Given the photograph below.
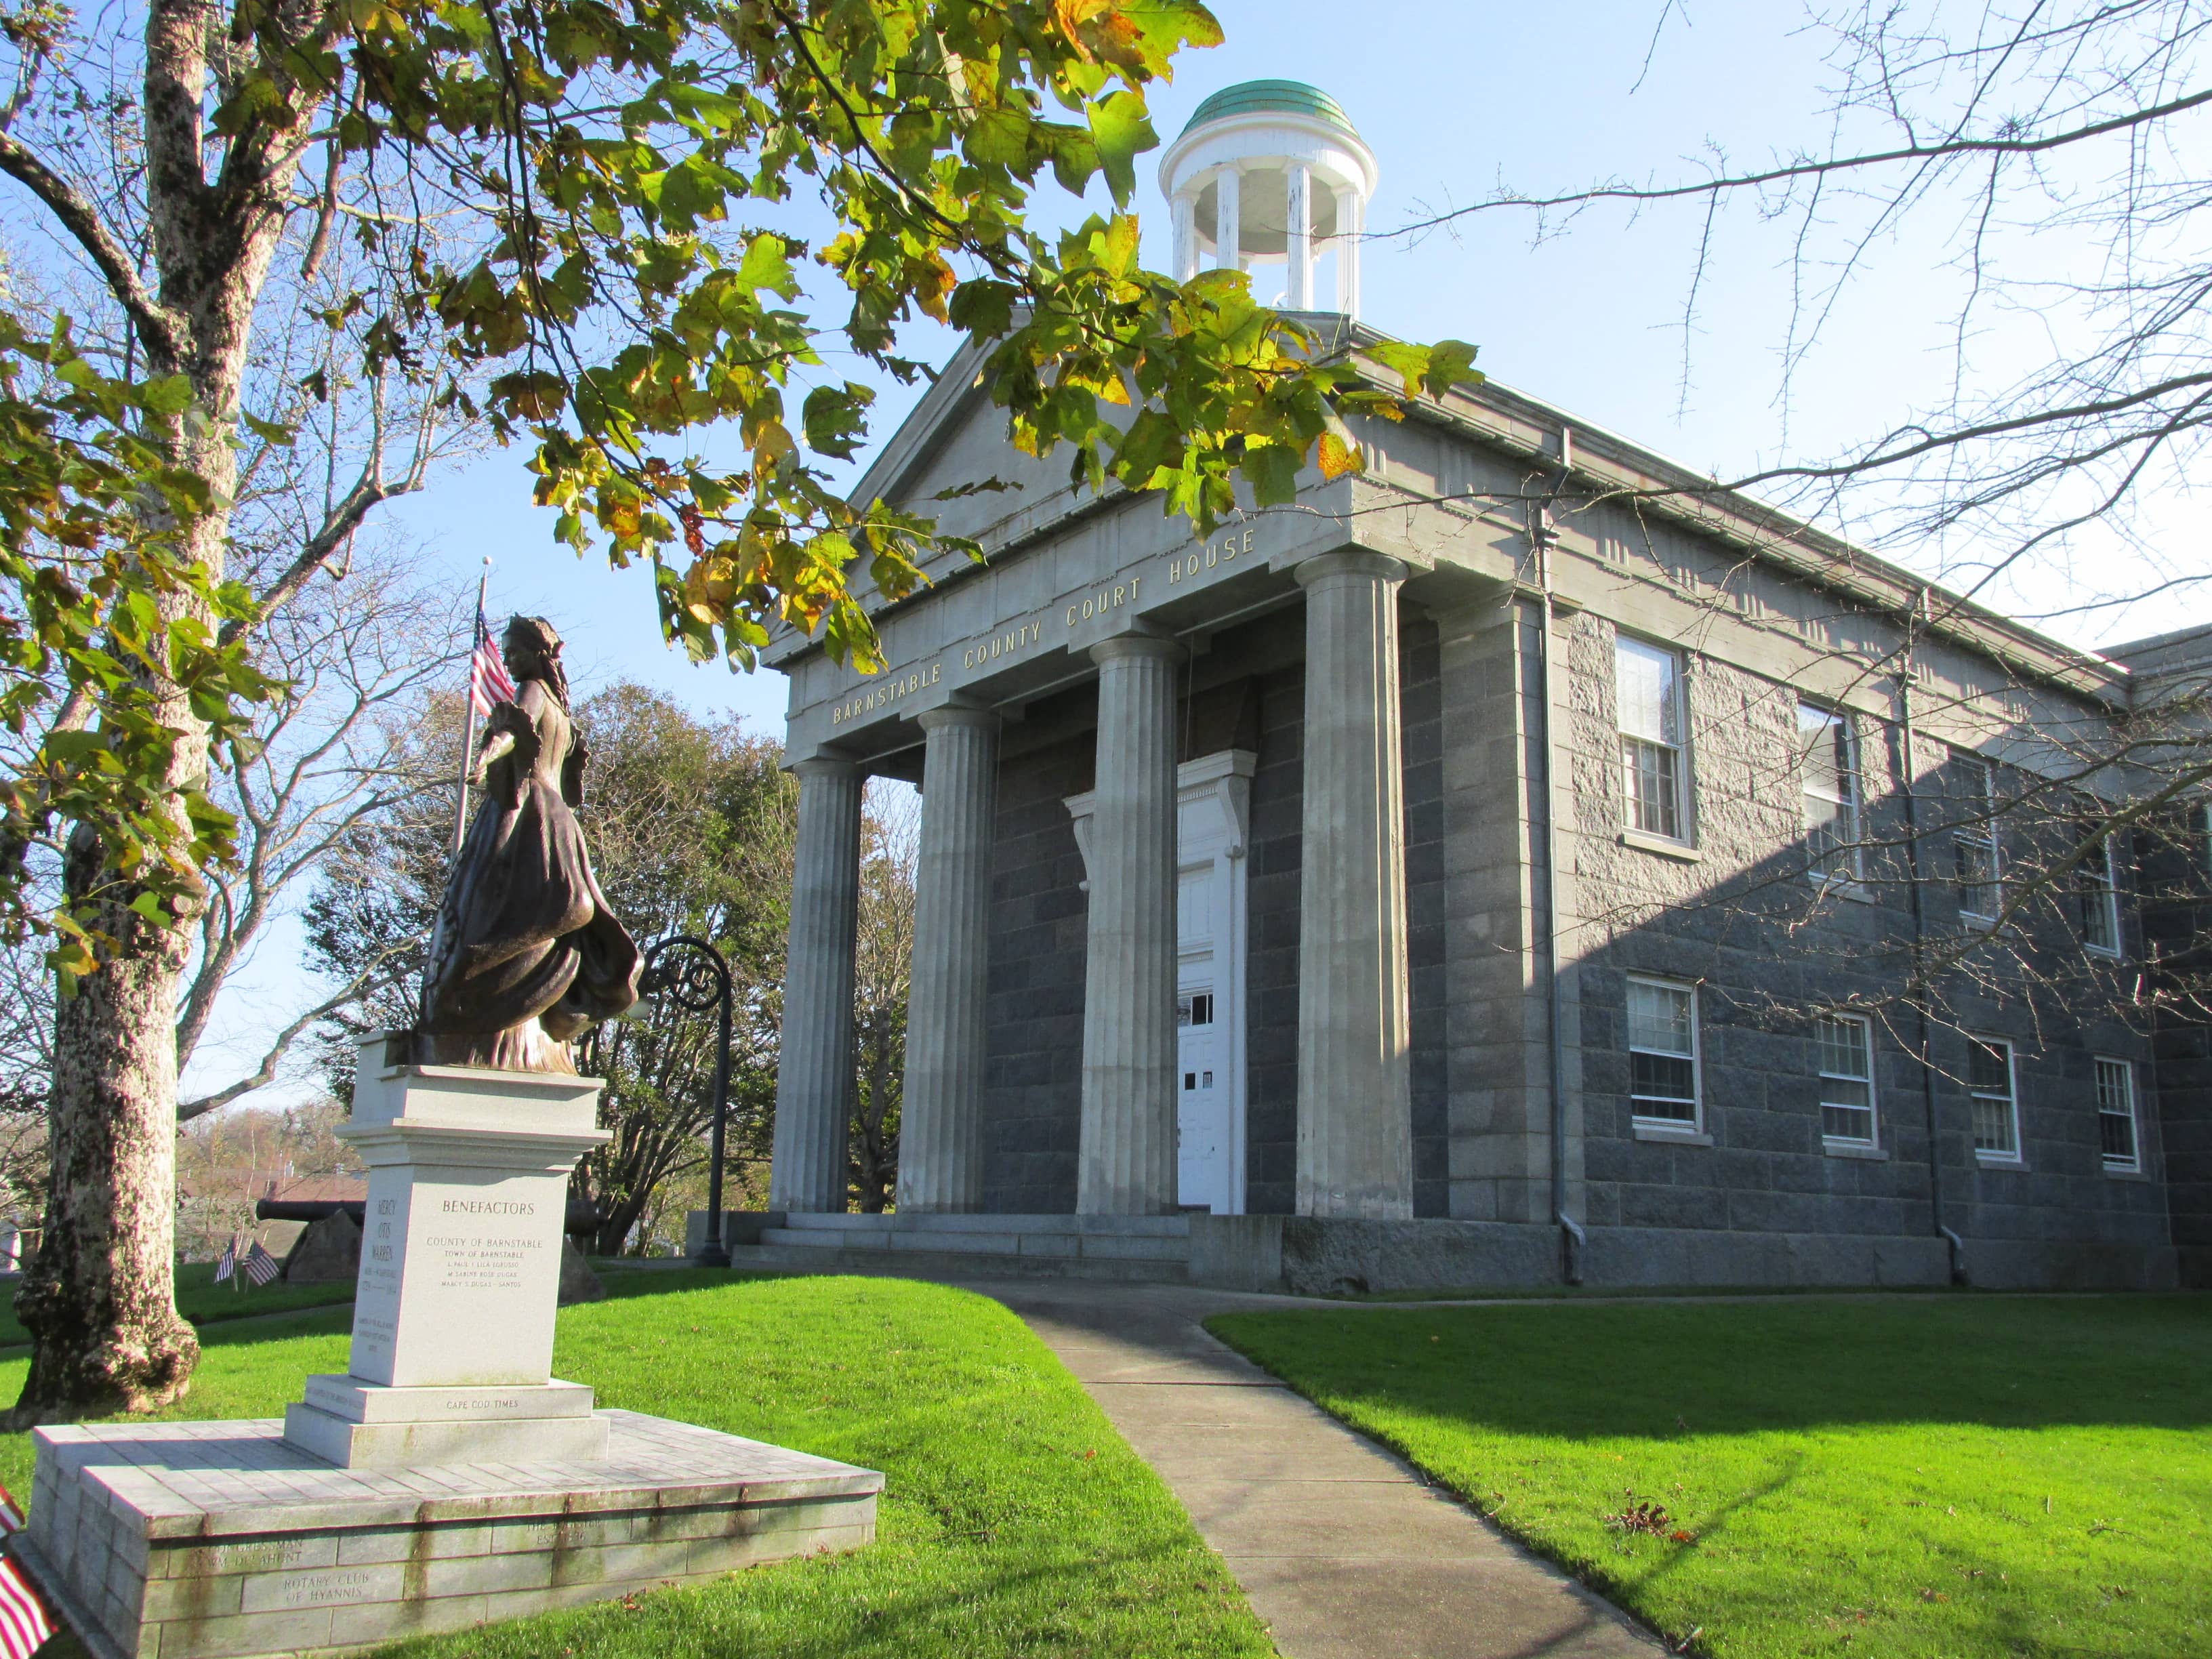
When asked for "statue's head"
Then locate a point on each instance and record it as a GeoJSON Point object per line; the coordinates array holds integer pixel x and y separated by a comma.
{"type": "Point", "coordinates": [528, 642]}
{"type": "Point", "coordinates": [533, 650]}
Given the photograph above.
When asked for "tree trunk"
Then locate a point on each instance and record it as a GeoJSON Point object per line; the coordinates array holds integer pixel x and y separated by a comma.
{"type": "Point", "coordinates": [99, 1298]}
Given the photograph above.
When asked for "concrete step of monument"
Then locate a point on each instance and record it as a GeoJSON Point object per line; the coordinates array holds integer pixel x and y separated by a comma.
{"type": "Point", "coordinates": [1052, 1245]}
{"type": "Point", "coordinates": [956, 1264]}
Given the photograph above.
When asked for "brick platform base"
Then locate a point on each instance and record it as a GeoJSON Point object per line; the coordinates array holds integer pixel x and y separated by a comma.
{"type": "Point", "coordinates": [180, 1540]}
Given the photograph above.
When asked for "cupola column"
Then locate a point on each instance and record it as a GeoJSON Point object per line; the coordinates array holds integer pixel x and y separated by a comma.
{"type": "Point", "coordinates": [1228, 221]}
{"type": "Point", "coordinates": [1299, 208]}
{"type": "Point", "coordinates": [1186, 235]}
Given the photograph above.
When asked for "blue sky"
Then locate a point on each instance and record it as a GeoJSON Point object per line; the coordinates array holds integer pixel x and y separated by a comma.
{"type": "Point", "coordinates": [1455, 99]}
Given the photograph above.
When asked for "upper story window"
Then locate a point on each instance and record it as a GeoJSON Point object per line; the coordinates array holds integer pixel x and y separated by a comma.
{"type": "Point", "coordinates": [2116, 1116]}
{"type": "Point", "coordinates": [1648, 693]}
{"type": "Point", "coordinates": [2100, 899]}
{"type": "Point", "coordinates": [1846, 1045]}
{"type": "Point", "coordinates": [1662, 1050]}
{"type": "Point", "coordinates": [1976, 853]}
{"type": "Point", "coordinates": [1829, 772]}
{"type": "Point", "coordinates": [1996, 1110]}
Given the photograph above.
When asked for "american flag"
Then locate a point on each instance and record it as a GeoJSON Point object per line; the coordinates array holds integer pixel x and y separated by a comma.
{"type": "Point", "coordinates": [228, 1265]}
{"type": "Point", "coordinates": [260, 1265]}
{"type": "Point", "coordinates": [25, 1622]}
{"type": "Point", "coordinates": [487, 677]}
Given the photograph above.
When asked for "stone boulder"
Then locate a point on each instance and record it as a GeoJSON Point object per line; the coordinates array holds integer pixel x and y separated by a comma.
{"type": "Point", "coordinates": [327, 1252]}
{"type": "Point", "coordinates": [578, 1282]}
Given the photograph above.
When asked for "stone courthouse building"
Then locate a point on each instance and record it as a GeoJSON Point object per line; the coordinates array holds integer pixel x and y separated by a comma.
{"type": "Point", "coordinates": [1487, 868]}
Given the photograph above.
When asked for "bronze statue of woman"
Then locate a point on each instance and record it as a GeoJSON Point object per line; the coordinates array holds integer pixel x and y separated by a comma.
{"type": "Point", "coordinates": [526, 955]}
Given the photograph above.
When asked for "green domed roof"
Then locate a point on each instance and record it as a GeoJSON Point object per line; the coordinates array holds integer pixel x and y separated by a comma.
{"type": "Point", "coordinates": [1255, 97]}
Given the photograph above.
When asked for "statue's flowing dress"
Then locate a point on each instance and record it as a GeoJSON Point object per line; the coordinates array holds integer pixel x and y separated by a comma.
{"type": "Point", "coordinates": [526, 955]}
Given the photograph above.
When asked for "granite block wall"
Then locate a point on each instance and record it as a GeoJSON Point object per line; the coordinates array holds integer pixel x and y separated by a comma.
{"type": "Point", "coordinates": [1737, 915]}
{"type": "Point", "coordinates": [1034, 1071]}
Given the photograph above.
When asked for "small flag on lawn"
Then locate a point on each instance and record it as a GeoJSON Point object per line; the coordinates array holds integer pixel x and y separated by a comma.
{"type": "Point", "coordinates": [260, 1265]}
{"type": "Point", "coordinates": [228, 1264]}
{"type": "Point", "coordinates": [25, 1623]}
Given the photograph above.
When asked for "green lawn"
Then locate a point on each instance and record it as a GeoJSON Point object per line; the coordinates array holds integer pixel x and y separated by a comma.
{"type": "Point", "coordinates": [1948, 1476]}
{"type": "Point", "coordinates": [1015, 1523]}
{"type": "Point", "coordinates": [204, 1302]}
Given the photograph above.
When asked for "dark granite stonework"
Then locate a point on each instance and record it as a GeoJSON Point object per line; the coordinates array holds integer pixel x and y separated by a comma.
{"type": "Point", "coordinates": [1759, 962]}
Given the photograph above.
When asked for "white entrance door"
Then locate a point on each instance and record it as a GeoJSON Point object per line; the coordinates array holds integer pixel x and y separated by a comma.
{"type": "Point", "coordinates": [1210, 982]}
{"type": "Point", "coordinates": [1202, 1104]}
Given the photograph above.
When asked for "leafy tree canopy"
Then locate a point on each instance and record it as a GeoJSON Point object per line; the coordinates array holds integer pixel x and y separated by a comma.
{"type": "Point", "coordinates": [625, 290]}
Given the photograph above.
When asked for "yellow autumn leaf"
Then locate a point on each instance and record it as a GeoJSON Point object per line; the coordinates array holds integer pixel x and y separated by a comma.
{"type": "Point", "coordinates": [1338, 457]}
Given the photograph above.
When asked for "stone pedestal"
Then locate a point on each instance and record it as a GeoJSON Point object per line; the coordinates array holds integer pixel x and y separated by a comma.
{"type": "Point", "coordinates": [460, 1272]}
{"type": "Point", "coordinates": [449, 1478]}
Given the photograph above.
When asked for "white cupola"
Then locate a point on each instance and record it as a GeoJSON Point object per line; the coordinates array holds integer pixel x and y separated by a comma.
{"type": "Point", "coordinates": [1279, 164]}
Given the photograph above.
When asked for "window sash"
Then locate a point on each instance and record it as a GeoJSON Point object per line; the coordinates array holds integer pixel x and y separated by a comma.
{"type": "Point", "coordinates": [1828, 775]}
{"type": "Point", "coordinates": [1844, 1047]}
{"type": "Point", "coordinates": [1989, 1085]}
{"type": "Point", "coordinates": [1978, 857]}
{"type": "Point", "coordinates": [1648, 691]}
{"type": "Point", "coordinates": [2116, 1114]}
{"type": "Point", "coordinates": [2101, 900]}
{"type": "Point", "coordinates": [1655, 787]}
{"type": "Point", "coordinates": [1662, 1051]}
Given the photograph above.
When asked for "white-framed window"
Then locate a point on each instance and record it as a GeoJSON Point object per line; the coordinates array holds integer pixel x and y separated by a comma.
{"type": "Point", "coordinates": [1648, 700]}
{"type": "Point", "coordinates": [1662, 1050]}
{"type": "Point", "coordinates": [2100, 899]}
{"type": "Point", "coordinates": [1975, 849]}
{"type": "Point", "coordinates": [2116, 1116]}
{"type": "Point", "coordinates": [1996, 1105]}
{"type": "Point", "coordinates": [1828, 771]}
{"type": "Point", "coordinates": [1845, 1043]}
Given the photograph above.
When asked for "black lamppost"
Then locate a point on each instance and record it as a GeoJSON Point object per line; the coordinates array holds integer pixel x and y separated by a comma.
{"type": "Point", "coordinates": [697, 981]}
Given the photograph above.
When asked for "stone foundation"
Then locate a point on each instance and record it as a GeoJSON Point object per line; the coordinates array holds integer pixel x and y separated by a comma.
{"type": "Point", "coordinates": [195, 1540]}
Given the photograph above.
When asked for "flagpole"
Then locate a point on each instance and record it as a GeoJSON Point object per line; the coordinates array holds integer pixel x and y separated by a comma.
{"type": "Point", "coordinates": [469, 736]}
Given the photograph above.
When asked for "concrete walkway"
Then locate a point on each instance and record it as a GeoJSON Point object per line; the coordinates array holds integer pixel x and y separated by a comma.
{"type": "Point", "coordinates": [1341, 1547]}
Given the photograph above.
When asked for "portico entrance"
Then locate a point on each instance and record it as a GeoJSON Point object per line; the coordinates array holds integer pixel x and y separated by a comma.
{"type": "Point", "coordinates": [1213, 795]}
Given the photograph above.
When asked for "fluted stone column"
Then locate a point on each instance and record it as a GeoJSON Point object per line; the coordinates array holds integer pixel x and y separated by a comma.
{"type": "Point", "coordinates": [1355, 1110]}
{"type": "Point", "coordinates": [1126, 1163]}
{"type": "Point", "coordinates": [814, 1069]}
{"type": "Point", "coordinates": [941, 1115]}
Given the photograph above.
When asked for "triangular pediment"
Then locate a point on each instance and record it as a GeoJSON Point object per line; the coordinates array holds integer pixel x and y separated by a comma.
{"type": "Point", "coordinates": [950, 460]}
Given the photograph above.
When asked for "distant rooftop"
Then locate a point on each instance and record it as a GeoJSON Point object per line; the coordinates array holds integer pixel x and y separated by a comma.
{"type": "Point", "coordinates": [1258, 97]}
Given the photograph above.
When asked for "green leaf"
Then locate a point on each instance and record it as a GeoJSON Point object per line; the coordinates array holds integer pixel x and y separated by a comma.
{"type": "Point", "coordinates": [170, 395]}
{"type": "Point", "coordinates": [999, 138]}
{"type": "Point", "coordinates": [984, 308]}
{"type": "Point", "coordinates": [835, 418]}
{"type": "Point", "coordinates": [766, 265]}
{"type": "Point", "coordinates": [1272, 470]}
{"type": "Point", "coordinates": [1122, 129]}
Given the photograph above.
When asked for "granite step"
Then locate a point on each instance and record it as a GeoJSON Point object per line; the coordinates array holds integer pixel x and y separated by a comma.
{"type": "Point", "coordinates": [782, 1258]}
